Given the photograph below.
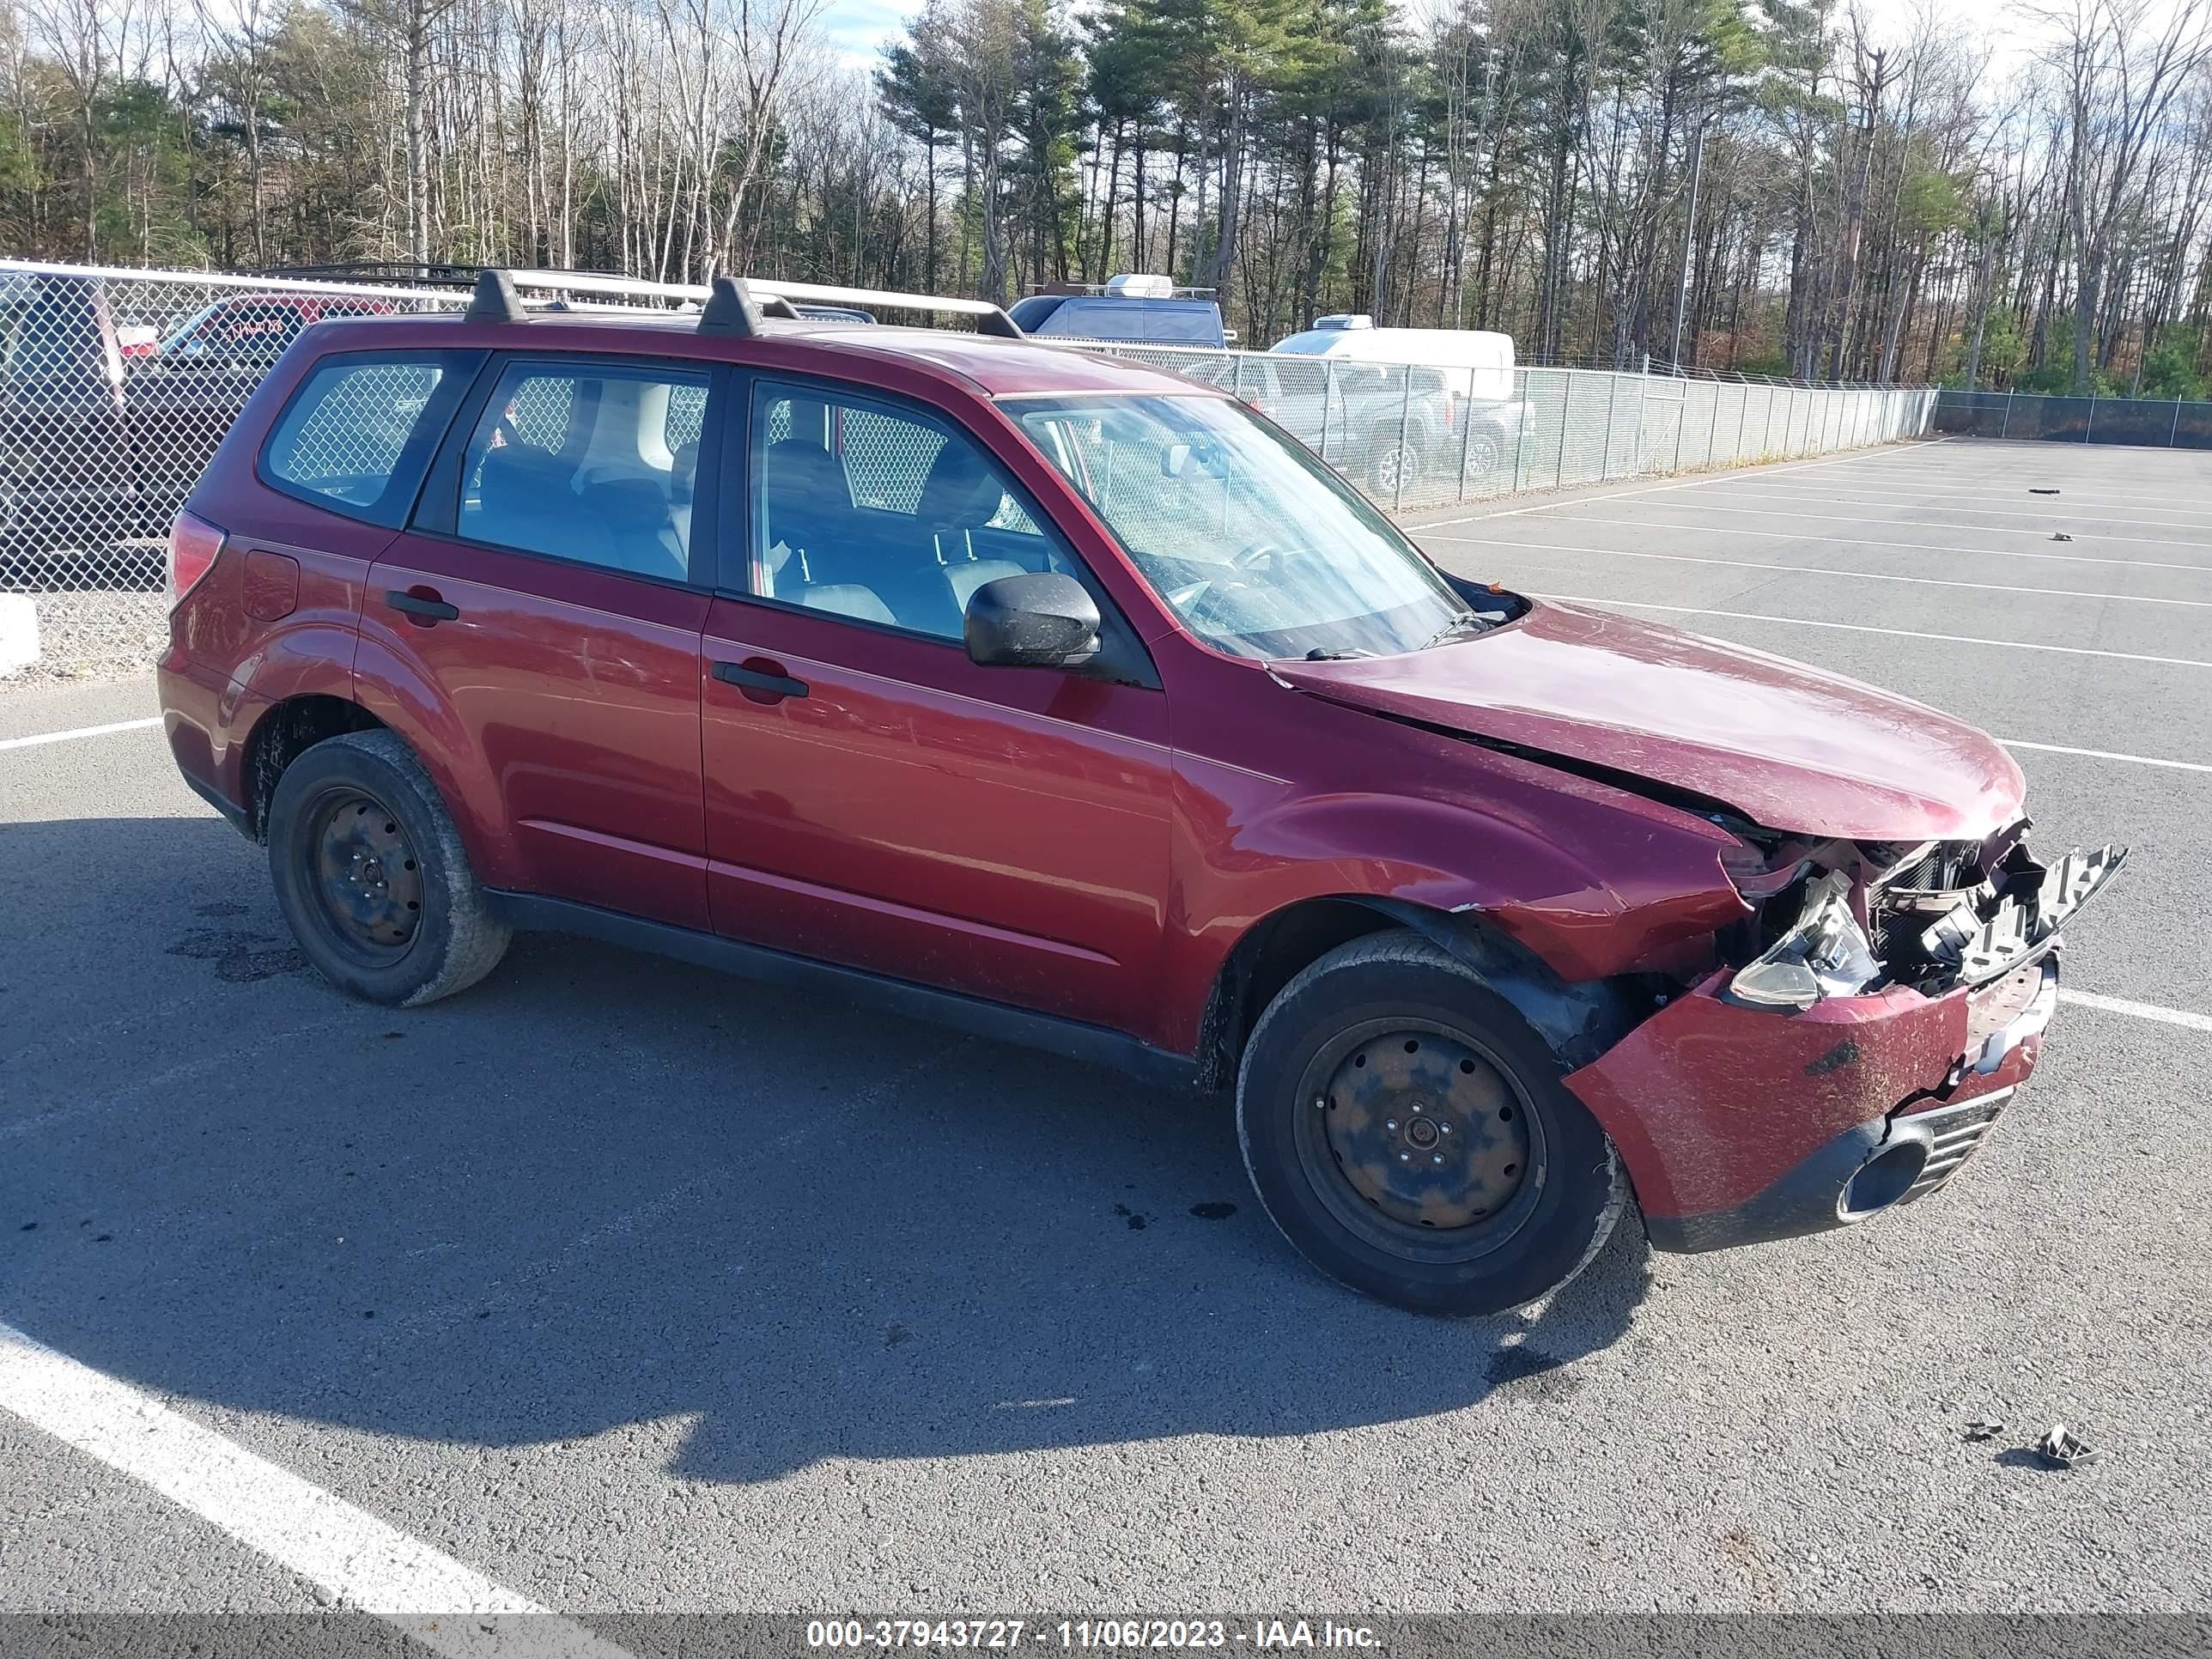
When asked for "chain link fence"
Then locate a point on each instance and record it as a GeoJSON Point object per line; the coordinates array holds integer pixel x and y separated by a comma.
{"type": "Point", "coordinates": [1415, 438]}
{"type": "Point", "coordinates": [116, 385]}
{"type": "Point", "coordinates": [2156, 422]}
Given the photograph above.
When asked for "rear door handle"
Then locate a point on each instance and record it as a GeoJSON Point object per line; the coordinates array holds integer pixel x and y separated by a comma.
{"type": "Point", "coordinates": [430, 611]}
{"type": "Point", "coordinates": [766, 683]}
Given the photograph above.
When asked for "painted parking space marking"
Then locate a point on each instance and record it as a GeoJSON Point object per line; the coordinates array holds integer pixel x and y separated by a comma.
{"type": "Point", "coordinates": [364, 1563]}
{"type": "Point", "coordinates": [2160, 761]}
{"type": "Point", "coordinates": [1910, 496]}
{"type": "Point", "coordinates": [2149, 1011]}
{"type": "Point", "coordinates": [1895, 523]}
{"type": "Point", "coordinates": [1869, 628]}
{"type": "Point", "coordinates": [1858, 541]}
{"type": "Point", "coordinates": [2044, 514]}
{"type": "Point", "coordinates": [1830, 570]}
{"type": "Point", "coordinates": [37, 739]}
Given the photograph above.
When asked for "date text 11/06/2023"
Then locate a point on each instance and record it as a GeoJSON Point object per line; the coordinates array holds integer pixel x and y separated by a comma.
{"type": "Point", "coordinates": [1118, 1634]}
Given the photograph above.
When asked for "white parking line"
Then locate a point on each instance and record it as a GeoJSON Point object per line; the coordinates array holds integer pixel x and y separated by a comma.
{"type": "Point", "coordinates": [1856, 541]}
{"type": "Point", "coordinates": [1852, 518]}
{"type": "Point", "coordinates": [361, 1561]}
{"type": "Point", "coordinates": [37, 737]}
{"type": "Point", "coordinates": [1830, 570]}
{"type": "Point", "coordinates": [2050, 513]}
{"type": "Point", "coordinates": [2065, 502]}
{"type": "Point", "coordinates": [1869, 628]}
{"type": "Point", "coordinates": [2149, 1011]}
{"type": "Point", "coordinates": [2107, 754]}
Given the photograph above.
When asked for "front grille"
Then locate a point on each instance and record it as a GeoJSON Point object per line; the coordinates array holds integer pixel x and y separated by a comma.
{"type": "Point", "coordinates": [1954, 1131]}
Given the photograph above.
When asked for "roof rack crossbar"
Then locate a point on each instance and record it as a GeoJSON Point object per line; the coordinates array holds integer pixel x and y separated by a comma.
{"type": "Point", "coordinates": [990, 319]}
{"type": "Point", "coordinates": [763, 290]}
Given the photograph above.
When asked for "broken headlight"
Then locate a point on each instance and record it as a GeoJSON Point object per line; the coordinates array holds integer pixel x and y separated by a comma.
{"type": "Point", "coordinates": [1824, 954]}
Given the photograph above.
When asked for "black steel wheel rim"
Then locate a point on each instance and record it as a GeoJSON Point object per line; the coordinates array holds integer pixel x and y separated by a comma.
{"type": "Point", "coordinates": [1419, 1139]}
{"type": "Point", "coordinates": [361, 870]}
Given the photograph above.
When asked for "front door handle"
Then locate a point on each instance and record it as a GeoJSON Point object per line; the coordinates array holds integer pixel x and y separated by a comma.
{"type": "Point", "coordinates": [430, 610]}
{"type": "Point", "coordinates": [761, 680]}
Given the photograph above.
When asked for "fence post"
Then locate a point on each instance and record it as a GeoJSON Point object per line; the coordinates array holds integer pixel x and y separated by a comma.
{"type": "Point", "coordinates": [1467, 435]}
{"type": "Point", "coordinates": [1521, 434]}
{"type": "Point", "coordinates": [1681, 421]}
{"type": "Point", "coordinates": [1328, 399]}
{"type": "Point", "coordinates": [1237, 379]}
{"type": "Point", "coordinates": [2173, 432]}
{"type": "Point", "coordinates": [1567, 408]}
{"type": "Point", "coordinates": [1405, 417]}
{"type": "Point", "coordinates": [2090, 425]}
{"type": "Point", "coordinates": [1742, 418]}
{"type": "Point", "coordinates": [2005, 427]}
{"type": "Point", "coordinates": [1612, 397]}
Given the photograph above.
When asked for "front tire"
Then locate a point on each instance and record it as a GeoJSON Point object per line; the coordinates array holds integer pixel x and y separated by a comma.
{"type": "Point", "coordinates": [1408, 1132]}
{"type": "Point", "coordinates": [372, 877]}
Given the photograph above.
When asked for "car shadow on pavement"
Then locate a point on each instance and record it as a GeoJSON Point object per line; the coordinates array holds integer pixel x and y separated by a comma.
{"type": "Point", "coordinates": [602, 1190]}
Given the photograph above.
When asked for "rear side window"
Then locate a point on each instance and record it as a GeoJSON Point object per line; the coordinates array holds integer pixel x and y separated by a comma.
{"type": "Point", "coordinates": [355, 437]}
{"type": "Point", "coordinates": [590, 461]}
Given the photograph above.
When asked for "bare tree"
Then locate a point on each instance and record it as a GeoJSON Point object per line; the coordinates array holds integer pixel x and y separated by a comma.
{"type": "Point", "coordinates": [2120, 75]}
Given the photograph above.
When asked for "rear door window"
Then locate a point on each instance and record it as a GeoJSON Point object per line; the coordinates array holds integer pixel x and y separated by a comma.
{"type": "Point", "coordinates": [588, 461]}
{"type": "Point", "coordinates": [356, 436]}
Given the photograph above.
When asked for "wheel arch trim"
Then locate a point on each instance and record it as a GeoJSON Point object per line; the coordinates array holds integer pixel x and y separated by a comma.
{"type": "Point", "coordinates": [1578, 1020]}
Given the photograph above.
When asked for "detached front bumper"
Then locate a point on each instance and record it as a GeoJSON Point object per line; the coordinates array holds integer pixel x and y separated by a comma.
{"type": "Point", "coordinates": [1740, 1125]}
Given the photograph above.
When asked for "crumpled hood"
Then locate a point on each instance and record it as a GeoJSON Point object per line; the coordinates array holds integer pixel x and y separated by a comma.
{"type": "Point", "coordinates": [1788, 746]}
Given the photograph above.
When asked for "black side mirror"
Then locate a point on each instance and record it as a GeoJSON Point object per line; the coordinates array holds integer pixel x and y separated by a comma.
{"type": "Point", "coordinates": [1045, 621]}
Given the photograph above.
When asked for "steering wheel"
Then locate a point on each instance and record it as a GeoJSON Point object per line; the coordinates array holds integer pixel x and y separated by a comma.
{"type": "Point", "coordinates": [1253, 554]}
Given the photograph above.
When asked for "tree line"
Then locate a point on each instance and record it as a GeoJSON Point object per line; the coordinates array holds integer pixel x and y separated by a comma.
{"type": "Point", "coordinates": [1775, 188]}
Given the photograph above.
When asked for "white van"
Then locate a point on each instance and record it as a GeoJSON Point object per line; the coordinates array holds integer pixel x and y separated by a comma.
{"type": "Point", "coordinates": [1463, 416]}
{"type": "Point", "coordinates": [1351, 336]}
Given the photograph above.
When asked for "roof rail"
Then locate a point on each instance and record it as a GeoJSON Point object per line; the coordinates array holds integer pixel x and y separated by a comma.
{"type": "Point", "coordinates": [730, 310]}
{"type": "Point", "coordinates": [496, 300]}
{"type": "Point", "coordinates": [768, 293]}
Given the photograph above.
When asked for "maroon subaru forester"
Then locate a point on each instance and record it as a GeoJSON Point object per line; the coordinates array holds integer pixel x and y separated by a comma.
{"type": "Point", "coordinates": [1074, 704]}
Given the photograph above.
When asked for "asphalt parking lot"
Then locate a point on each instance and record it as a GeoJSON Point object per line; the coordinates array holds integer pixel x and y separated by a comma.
{"type": "Point", "coordinates": [629, 1288]}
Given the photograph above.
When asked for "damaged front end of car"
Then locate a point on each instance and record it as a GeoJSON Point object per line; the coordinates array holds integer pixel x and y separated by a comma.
{"type": "Point", "coordinates": [1854, 1039]}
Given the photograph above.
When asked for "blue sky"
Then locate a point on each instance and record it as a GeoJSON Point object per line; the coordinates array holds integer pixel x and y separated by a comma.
{"type": "Point", "coordinates": [856, 29]}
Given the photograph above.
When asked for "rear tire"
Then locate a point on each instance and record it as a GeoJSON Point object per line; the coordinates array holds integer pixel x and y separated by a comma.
{"type": "Point", "coordinates": [1392, 459]}
{"type": "Point", "coordinates": [372, 877]}
{"type": "Point", "coordinates": [1407, 1131]}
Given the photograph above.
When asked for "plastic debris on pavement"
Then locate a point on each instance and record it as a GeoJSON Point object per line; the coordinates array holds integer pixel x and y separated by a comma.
{"type": "Point", "coordinates": [2061, 1448]}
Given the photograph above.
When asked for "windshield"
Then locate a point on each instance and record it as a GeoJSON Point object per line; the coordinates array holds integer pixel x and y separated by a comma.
{"type": "Point", "coordinates": [1256, 547]}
